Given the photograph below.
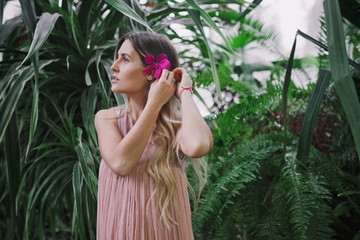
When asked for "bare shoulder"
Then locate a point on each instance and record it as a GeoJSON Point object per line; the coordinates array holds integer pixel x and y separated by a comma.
{"type": "Point", "coordinates": [105, 118]}
{"type": "Point", "coordinates": [109, 114]}
{"type": "Point", "coordinates": [106, 114]}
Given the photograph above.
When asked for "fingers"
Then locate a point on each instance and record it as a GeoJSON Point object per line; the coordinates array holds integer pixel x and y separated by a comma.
{"type": "Point", "coordinates": [171, 78]}
{"type": "Point", "coordinates": [167, 76]}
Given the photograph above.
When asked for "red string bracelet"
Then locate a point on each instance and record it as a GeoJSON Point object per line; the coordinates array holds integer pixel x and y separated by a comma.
{"type": "Point", "coordinates": [186, 88]}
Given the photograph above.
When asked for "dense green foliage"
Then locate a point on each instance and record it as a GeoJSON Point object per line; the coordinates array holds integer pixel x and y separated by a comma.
{"type": "Point", "coordinates": [267, 179]}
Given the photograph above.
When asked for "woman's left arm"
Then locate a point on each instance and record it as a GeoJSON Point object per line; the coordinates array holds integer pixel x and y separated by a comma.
{"type": "Point", "coordinates": [196, 138]}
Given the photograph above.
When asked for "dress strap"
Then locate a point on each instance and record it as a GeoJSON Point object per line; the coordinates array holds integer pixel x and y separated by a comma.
{"type": "Point", "coordinates": [118, 111]}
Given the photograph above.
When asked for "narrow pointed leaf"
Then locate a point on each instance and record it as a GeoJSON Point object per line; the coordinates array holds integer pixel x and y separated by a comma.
{"type": "Point", "coordinates": [285, 90]}
{"type": "Point", "coordinates": [29, 16]}
{"type": "Point", "coordinates": [78, 212]}
{"type": "Point", "coordinates": [323, 46]}
{"type": "Point", "coordinates": [196, 18]}
{"type": "Point", "coordinates": [343, 82]}
{"type": "Point", "coordinates": [34, 117]}
{"type": "Point", "coordinates": [251, 7]}
{"type": "Point", "coordinates": [312, 110]}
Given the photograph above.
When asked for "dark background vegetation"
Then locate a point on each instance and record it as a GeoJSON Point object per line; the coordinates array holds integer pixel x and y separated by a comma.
{"type": "Point", "coordinates": [285, 162]}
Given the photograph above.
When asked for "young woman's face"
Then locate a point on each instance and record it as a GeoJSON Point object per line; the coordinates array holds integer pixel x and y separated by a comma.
{"type": "Point", "coordinates": [128, 76]}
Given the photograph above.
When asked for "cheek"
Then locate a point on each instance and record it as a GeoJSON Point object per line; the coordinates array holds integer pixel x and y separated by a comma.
{"type": "Point", "coordinates": [133, 72]}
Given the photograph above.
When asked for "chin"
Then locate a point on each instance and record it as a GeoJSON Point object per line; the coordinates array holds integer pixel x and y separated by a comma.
{"type": "Point", "coordinates": [115, 90]}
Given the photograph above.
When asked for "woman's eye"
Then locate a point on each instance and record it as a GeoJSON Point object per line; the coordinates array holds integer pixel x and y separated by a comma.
{"type": "Point", "coordinates": [125, 60]}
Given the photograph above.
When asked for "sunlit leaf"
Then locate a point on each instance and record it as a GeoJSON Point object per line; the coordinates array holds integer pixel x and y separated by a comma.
{"type": "Point", "coordinates": [42, 32]}
{"type": "Point", "coordinates": [122, 7]}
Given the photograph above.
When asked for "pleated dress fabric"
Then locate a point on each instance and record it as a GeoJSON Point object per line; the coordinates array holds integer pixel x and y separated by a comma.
{"type": "Point", "coordinates": [122, 200]}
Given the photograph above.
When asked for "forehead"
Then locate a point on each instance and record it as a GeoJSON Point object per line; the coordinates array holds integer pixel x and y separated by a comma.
{"type": "Point", "coordinates": [127, 48]}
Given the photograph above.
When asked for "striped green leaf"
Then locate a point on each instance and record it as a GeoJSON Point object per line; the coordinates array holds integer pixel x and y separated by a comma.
{"type": "Point", "coordinates": [285, 91]}
{"type": "Point", "coordinates": [34, 113]}
{"type": "Point", "coordinates": [122, 7]}
{"type": "Point", "coordinates": [42, 32]}
{"type": "Point", "coordinates": [343, 81]}
{"type": "Point", "coordinates": [8, 105]}
{"type": "Point", "coordinates": [78, 216]}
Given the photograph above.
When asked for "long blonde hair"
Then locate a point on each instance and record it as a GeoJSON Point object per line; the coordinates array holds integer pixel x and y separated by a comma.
{"type": "Point", "coordinates": [162, 164]}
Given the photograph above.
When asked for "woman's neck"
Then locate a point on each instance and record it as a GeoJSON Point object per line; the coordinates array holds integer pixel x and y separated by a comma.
{"type": "Point", "coordinates": [136, 106]}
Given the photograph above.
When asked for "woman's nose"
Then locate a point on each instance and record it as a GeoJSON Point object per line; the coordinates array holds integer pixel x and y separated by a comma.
{"type": "Point", "coordinates": [115, 66]}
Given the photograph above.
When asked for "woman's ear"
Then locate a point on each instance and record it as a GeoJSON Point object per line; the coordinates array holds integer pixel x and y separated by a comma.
{"type": "Point", "coordinates": [149, 78]}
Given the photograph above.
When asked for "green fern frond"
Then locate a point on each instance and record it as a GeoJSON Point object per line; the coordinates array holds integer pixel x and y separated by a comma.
{"type": "Point", "coordinates": [240, 169]}
{"type": "Point", "coordinates": [302, 194]}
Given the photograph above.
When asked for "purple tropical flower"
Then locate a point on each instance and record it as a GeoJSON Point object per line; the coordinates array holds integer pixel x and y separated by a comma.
{"type": "Point", "coordinates": [161, 63]}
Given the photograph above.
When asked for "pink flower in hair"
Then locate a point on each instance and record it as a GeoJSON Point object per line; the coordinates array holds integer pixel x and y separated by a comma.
{"type": "Point", "coordinates": [161, 63]}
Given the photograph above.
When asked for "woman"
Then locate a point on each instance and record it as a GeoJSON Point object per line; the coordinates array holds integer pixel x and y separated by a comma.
{"type": "Point", "coordinates": [142, 191]}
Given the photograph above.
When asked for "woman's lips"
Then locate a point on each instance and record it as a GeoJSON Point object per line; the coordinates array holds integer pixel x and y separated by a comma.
{"type": "Point", "coordinates": [115, 80]}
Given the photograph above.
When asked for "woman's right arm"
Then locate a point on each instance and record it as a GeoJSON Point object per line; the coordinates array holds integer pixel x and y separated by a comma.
{"type": "Point", "coordinates": [122, 154]}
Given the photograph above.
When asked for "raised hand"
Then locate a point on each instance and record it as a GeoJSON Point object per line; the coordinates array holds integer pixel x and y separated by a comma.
{"type": "Point", "coordinates": [183, 79]}
{"type": "Point", "coordinates": [162, 89]}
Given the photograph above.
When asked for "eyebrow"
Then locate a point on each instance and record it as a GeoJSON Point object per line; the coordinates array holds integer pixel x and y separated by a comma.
{"type": "Point", "coordinates": [124, 54]}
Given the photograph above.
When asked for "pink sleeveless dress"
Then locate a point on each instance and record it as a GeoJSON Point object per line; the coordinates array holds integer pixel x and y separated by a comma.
{"type": "Point", "coordinates": [121, 208]}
